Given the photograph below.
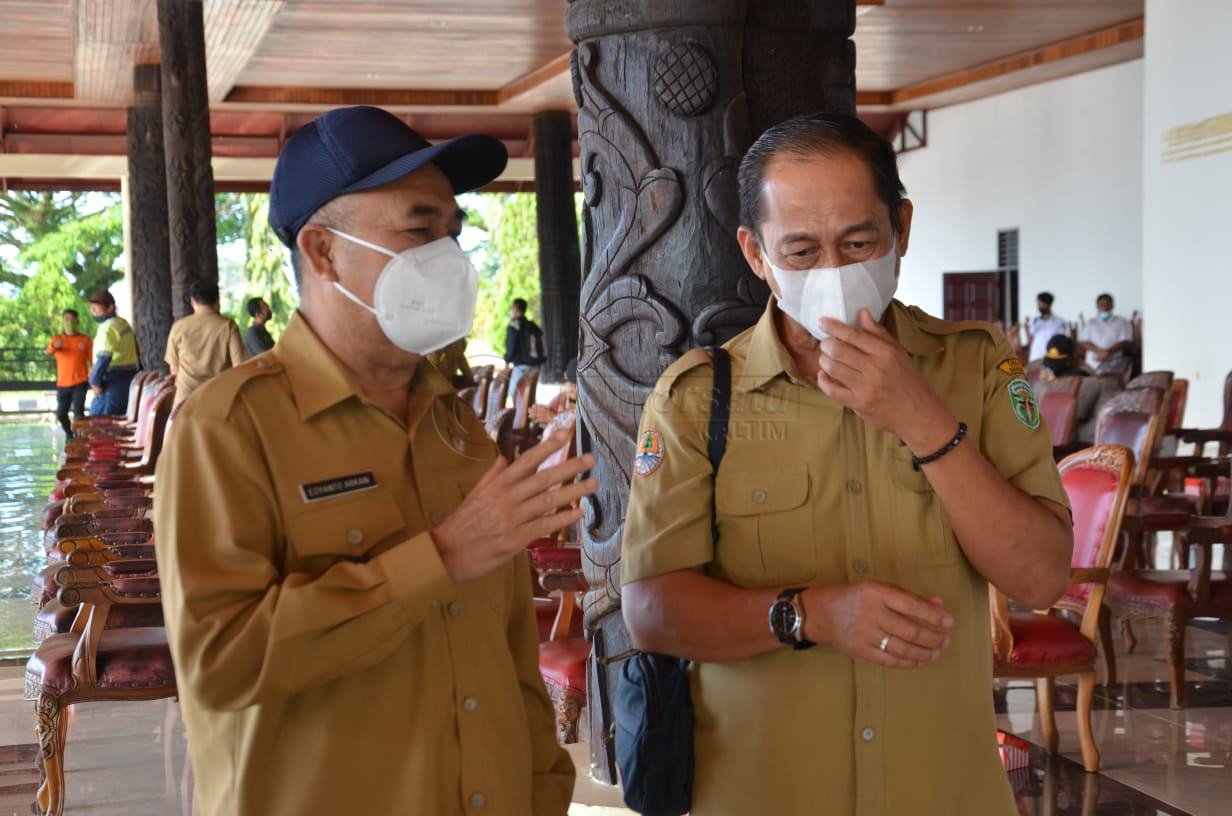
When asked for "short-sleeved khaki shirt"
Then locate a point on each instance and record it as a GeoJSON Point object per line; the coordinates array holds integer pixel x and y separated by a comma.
{"type": "Point", "coordinates": [201, 346]}
{"type": "Point", "coordinates": [809, 495]}
{"type": "Point", "coordinates": [326, 663]}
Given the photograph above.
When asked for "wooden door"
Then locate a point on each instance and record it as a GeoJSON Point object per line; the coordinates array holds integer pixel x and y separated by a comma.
{"type": "Point", "coordinates": [973, 296]}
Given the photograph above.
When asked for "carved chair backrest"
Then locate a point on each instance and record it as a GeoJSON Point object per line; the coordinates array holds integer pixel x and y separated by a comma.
{"type": "Point", "coordinates": [1153, 379]}
{"type": "Point", "coordinates": [1060, 412]}
{"type": "Point", "coordinates": [1135, 430]}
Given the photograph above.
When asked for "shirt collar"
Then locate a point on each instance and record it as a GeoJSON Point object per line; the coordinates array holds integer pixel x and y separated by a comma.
{"type": "Point", "coordinates": [903, 324]}
{"type": "Point", "coordinates": [320, 381]}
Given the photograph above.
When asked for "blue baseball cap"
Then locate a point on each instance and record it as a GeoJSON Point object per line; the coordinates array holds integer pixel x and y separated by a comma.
{"type": "Point", "coordinates": [348, 150]}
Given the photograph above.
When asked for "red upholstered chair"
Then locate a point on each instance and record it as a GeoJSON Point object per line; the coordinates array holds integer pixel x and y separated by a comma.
{"type": "Point", "coordinates": [1120, 367]}
{"type": "Point", "coordinates": [1177, 596]}
{"type": "Point", "coordinates": [1058, 404]}
{"type": "Point", "coordinates": [1201, 437]}
{"type": "Point", "coordinates": [1046, 645]}
{"type": "Point", "coordinates": [89, 663]}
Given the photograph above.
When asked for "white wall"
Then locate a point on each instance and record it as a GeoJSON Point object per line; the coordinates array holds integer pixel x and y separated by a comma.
{"type": "Point", "coordinates": [1187, 274]}
{"type": "Point", "coordinates": [1061, 161]}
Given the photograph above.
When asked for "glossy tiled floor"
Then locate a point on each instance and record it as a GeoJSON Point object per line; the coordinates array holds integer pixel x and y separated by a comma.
{"type": "Point", "coordinates": [128, 759]}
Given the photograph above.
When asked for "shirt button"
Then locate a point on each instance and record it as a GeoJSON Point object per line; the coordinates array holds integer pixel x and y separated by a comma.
{"type": "Point", "coordinates": [436, 606]}
{"type": "Point", "coordinates": [437, 518]}
{"type": "Point", "coordinates": [853, 486]}
{"type": "Point", "coordinates": [455, 609]}
{"type": "Point", "coordinates": [860, 566]}
{"type": "Point", "coordinates": [355, 536]}
{"type": "Point", "coordinates": [478, 800]}
{"type": "Point", "coordinates": [470, 704]}
{"type": "Point", "coordinates": [759, 496]}
{"type": "Point", "coordinates": [868, 734]}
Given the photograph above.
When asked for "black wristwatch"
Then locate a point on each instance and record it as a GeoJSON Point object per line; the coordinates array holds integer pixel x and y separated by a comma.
{"type": "Point", "coordinates": [787, 619]}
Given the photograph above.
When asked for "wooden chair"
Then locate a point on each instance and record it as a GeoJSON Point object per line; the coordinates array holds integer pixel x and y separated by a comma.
{"type": "Point", "coordinates": [1222, 436]}
{"type": "Point", "coordinates": [1121, 367]}
{"type": "Point", "coordinates": [89, 663]}
{"type": "Point", "coordinates": [564, 650]}
{"type": "Point", "coordinates": [1046, 645]}
{"type": "Point", "coordinates": [1177, 596]}
{"type": "Point", "coordinates": [1152, 379]}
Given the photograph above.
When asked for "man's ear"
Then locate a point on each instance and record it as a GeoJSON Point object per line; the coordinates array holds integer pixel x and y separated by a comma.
{"type": "Point", "coordinates": [750, 245]}
{"type": "Point", "coordinates": [905, 210]}
{"type": "Point", "coordinates": [315, 244]}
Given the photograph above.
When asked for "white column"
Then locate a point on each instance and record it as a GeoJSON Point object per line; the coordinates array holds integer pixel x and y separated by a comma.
{"type": "Point", "coordinates": [122, 290]}
{"type": "Point", "coordinates": [1187, 173]}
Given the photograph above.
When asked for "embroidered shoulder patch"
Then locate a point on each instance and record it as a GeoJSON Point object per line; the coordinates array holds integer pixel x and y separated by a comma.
{"type": "Point", "coordinates": [649, 453]}
{"type": "Point", "coordinates": [1012, 367]}
{"type": "Point", "coordinates": [1022, 401]}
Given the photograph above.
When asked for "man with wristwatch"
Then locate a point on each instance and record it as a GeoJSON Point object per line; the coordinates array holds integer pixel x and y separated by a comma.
{"type": "Point", "coordinates": [830, 581]}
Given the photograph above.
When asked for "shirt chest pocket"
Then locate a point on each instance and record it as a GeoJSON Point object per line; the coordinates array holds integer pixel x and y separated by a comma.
{"type": "Point", "coordinates": [766, 535]}
{"type": "Point", "coordinates": [922, 533]}
{"type": "Point", "coordinates": [343, 527]}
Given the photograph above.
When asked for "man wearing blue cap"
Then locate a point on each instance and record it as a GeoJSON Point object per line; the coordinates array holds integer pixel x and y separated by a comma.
{"type": "Point", "coordinates": [342, 554]}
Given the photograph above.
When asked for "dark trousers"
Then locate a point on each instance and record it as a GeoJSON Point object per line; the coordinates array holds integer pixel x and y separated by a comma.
{"type": "Point", "coordinates": [74, 396]}
{"type": "Point", "coordinates": [114, 399]}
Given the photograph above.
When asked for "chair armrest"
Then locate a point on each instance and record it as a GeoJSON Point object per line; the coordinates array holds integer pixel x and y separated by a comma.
{"type": "Point", "coordinates": [1200, 574]}
{"type": "Point", "coordinates": [1202, 435]}
{"type": "Point", "coordinates": [85, 655]}
{"type": "Point", "coordinates": [566, 581]}
{"type": "Point", "coordinates": [1186, 462]}
{"type": "Point", "coordinates": [1088, 575]}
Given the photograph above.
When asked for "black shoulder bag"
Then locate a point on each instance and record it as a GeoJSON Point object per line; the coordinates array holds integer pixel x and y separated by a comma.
{"type": "Point", "coordinates": [653, 709]}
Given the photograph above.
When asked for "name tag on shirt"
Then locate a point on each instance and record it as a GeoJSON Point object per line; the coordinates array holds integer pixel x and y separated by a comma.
{"type": "Point", "coordinates": [331, 488]}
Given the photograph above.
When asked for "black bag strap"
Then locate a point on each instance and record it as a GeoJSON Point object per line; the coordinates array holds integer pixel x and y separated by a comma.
{"type": "Point", "coordinates": [720, 412]}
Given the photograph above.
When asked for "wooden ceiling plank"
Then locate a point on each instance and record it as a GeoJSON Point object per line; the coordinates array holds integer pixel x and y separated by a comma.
{"type": "Point", "coordinates": [234, 30]}
{"type": "Point", "coordinates": [1120, 34]}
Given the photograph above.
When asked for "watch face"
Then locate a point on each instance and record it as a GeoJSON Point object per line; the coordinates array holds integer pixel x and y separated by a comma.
{"type": "Point", "coordinates": [783, 620]}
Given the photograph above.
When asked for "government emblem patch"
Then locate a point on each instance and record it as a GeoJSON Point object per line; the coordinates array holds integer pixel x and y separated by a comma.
{"type": "Point", "coordinates": [1022, 401]}
{"type": "Point", "coordinates": [649, 453]}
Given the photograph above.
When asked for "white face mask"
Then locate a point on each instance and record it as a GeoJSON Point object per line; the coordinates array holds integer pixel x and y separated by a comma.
{"type": "Point", "coordinates": [841, 292]}
{"type": "Point", "coordinates": [424, 297]}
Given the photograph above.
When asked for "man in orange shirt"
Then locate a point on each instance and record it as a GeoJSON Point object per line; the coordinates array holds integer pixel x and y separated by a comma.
{"type": "Point", "coordinates": [73, 352]}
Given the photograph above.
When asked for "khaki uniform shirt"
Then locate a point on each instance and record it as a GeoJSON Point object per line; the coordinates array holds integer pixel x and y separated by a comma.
{"type": "Point", "coordinates": [201, 346]}
{"type": "Point", "coordinates": [810, 495]}
{"type": "Point", "coordinates": [326, 663]}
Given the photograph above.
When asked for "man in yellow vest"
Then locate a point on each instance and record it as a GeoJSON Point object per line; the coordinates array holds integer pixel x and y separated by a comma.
{"type": "Point", "coordinates": [115, 362]}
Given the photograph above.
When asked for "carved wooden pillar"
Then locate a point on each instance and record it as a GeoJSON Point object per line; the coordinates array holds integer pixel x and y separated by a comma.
{"type": "Point", "coordinates": [186, 133]}
{"type": "Point", "coordinates": [560, 267]}
{"type": "Point", "coordinates": [670, 96]}
{"type": "Point", "coordinates": [150, 252]}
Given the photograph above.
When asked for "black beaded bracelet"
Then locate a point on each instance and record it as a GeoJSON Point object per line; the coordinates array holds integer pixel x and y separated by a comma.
{"type": "Point", "coordinates": [916, 461]}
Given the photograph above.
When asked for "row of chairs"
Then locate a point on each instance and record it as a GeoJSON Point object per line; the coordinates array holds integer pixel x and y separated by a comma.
{"type": "Point", "coordinates": [99, 625]}
{"type": "Point", "coordinates": [1121, 497]}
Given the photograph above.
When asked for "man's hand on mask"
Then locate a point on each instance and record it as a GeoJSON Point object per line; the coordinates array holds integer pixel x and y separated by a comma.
{"type": "Point", "coordinates": [865, 369]}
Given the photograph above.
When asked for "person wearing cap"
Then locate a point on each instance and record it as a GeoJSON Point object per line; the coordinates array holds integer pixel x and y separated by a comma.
{"type": "Point", "coordinates": [342, 555]}
{"type": "Point", "coordinates": [1060, 360]}
{"type": "Point", "coordinates": [203, 344]}
{"type": "Point", "coordinates": [1043, 327]}
{"type": "Point", "coordinates": [115, 363]}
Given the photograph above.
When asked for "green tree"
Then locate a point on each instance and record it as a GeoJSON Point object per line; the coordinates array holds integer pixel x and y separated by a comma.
{"type": "Point", "coordinates": [509, 263]}
{"type": "Point", "coordinates": [243, 222]}
{"type": "Point", "coordinates": [31, 318]}
{"type": "Point", "coordinates": [80, 234]}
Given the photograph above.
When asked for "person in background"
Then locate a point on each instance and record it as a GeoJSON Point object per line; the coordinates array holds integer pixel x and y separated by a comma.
{"type": "Point", "coordinates": [1044, 327]}
{"type": "Point", "coordinates": [115, 363]}
{"type": "Point", "coordinates": [523, 344]}
{"type": "Point", "coordinates": [73, 351]}
{"type": "Point", "coordinates": [1106, 336]}
{"type": "Point", "coordinates": [204, 344]}
{"type": "Point", "coordinates": [257, 339]}
{"type": "Point", "coordinates": [1060, 360]}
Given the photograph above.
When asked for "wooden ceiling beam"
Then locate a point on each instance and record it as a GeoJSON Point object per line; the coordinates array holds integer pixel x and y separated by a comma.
{"type": "Point", "coordinates": [533, 79]}
{"type": "Point", "coordinates": [386, 97]}
{"type": "Point", "coordinates": [24, 88]}
{"type": "Point", "coordinates": [1120, 34]}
